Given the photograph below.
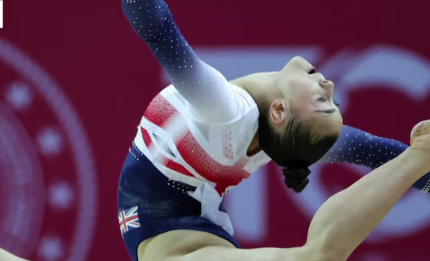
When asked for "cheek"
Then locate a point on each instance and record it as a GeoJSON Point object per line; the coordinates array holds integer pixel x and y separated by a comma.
{"type": "Point", "coordinates": [303, 103]}
{"type": "Point", "coordinates": [302, 91]}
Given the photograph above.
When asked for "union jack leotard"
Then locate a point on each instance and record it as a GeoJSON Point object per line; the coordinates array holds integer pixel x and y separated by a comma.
{"type": "Point", "coordinates": [199, 128]}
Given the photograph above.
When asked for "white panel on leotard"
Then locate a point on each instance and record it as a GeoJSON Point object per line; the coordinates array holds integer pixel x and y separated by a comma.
{"type": "Point", "coordinates": [247, 202]}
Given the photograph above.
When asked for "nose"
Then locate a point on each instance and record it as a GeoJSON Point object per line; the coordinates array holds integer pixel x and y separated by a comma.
{"type": "Point", "coordinates": [328, 86]}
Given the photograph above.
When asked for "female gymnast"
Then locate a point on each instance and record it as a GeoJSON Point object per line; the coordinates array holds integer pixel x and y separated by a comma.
{"type": "Point", "coordinates": [203, 135]}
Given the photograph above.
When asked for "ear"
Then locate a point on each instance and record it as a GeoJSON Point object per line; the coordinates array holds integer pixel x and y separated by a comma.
{"type": "Point", "coordinates": [278, 111]}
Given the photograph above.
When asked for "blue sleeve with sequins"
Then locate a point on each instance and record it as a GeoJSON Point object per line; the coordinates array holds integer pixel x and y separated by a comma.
{"type": "Point", "coordinates": [361, 148]}
{"type": "Point", "coordinates": [210, 95]}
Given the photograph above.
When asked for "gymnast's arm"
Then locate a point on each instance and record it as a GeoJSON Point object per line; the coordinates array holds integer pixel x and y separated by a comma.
{"type": "Point", "coordinates": [208, 92]}
{"type": "Point", "coordinates": [361, 148]}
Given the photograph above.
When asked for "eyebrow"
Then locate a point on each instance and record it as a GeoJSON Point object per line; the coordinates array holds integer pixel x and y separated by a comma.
{"type": "Point", "coordinates": [330, 111]}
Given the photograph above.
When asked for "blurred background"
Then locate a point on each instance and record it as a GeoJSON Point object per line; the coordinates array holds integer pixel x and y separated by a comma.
{"type": "Point", "coordinates": [75, 80]}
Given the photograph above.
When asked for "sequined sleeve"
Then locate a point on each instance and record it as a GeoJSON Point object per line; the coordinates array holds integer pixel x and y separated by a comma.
{"type": "Point", "coordinates": [361, 148]}
{"type": "Point", "coordinates": [208, 92]}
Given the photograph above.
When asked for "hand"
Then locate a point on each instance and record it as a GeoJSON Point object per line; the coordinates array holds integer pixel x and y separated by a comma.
{"type": "Point", "coordinates": [420, 136]}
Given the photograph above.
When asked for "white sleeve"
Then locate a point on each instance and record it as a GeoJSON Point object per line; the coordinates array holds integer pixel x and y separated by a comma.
{"type": "Point", "coordinates": [207, 91]}
{"type": "Point", "coordinates": [210, 95]}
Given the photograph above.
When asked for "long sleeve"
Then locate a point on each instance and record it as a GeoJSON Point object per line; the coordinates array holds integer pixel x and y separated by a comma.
{"type": "Point", "coordinates": [210, 95]}
{"type": "Point", "coordinates": [361, 148]}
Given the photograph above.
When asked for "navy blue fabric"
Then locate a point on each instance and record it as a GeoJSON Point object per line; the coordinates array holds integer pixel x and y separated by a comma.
{"type": "Point", "coordinates": [154, 24]}
{"type": "Point", "coordinates": [161, 206]}
{"type": "Point", "coordinates": [358, 147]}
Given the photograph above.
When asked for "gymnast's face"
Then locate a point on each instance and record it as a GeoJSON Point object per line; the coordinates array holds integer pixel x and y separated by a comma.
{"type": "Point", "coordinates": [307, 94]}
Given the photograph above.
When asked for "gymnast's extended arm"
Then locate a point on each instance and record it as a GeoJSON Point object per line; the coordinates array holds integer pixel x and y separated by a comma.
{"type": "Point", "coordinates": [206, 89]}
{"type": "Point", "coordinates": [361, 148]}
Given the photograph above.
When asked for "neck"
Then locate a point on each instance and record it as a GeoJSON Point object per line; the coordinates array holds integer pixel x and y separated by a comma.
{"type": "Point", "coordinates": [263, 89]}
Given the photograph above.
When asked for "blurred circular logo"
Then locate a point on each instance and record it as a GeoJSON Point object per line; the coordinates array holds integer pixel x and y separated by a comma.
{"type": "Point", "coordinates": [48, 188]}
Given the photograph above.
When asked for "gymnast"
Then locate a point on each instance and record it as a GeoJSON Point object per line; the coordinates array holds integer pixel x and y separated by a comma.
{"type": "Point", "coordinates": [202, 135]}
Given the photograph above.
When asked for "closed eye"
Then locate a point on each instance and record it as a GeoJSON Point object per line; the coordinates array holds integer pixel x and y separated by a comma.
{"type": "Point", "coordinates": [329, 111]}
{"type": "Point", "coordinates": [322, 99]}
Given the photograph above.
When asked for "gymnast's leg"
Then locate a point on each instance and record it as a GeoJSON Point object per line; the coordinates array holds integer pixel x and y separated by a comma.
{"type": "Point", "coordinates": [6, 256]}
{"type": "Point", "coordinates": [338, 227]}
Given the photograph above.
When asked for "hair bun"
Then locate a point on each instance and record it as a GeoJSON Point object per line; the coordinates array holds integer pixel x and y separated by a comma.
{"type": "Point", "coordinates": [296, 178]}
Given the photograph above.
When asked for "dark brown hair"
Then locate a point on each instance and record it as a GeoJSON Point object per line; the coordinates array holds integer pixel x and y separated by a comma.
{"type": "Point", "coordinates": [297, 149]}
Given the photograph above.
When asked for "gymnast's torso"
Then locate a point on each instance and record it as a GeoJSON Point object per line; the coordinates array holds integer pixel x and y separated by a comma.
{"type": "Point", "coordinates": [192, 149]}
{"type": "Point", "coordinates": [198, 131]}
